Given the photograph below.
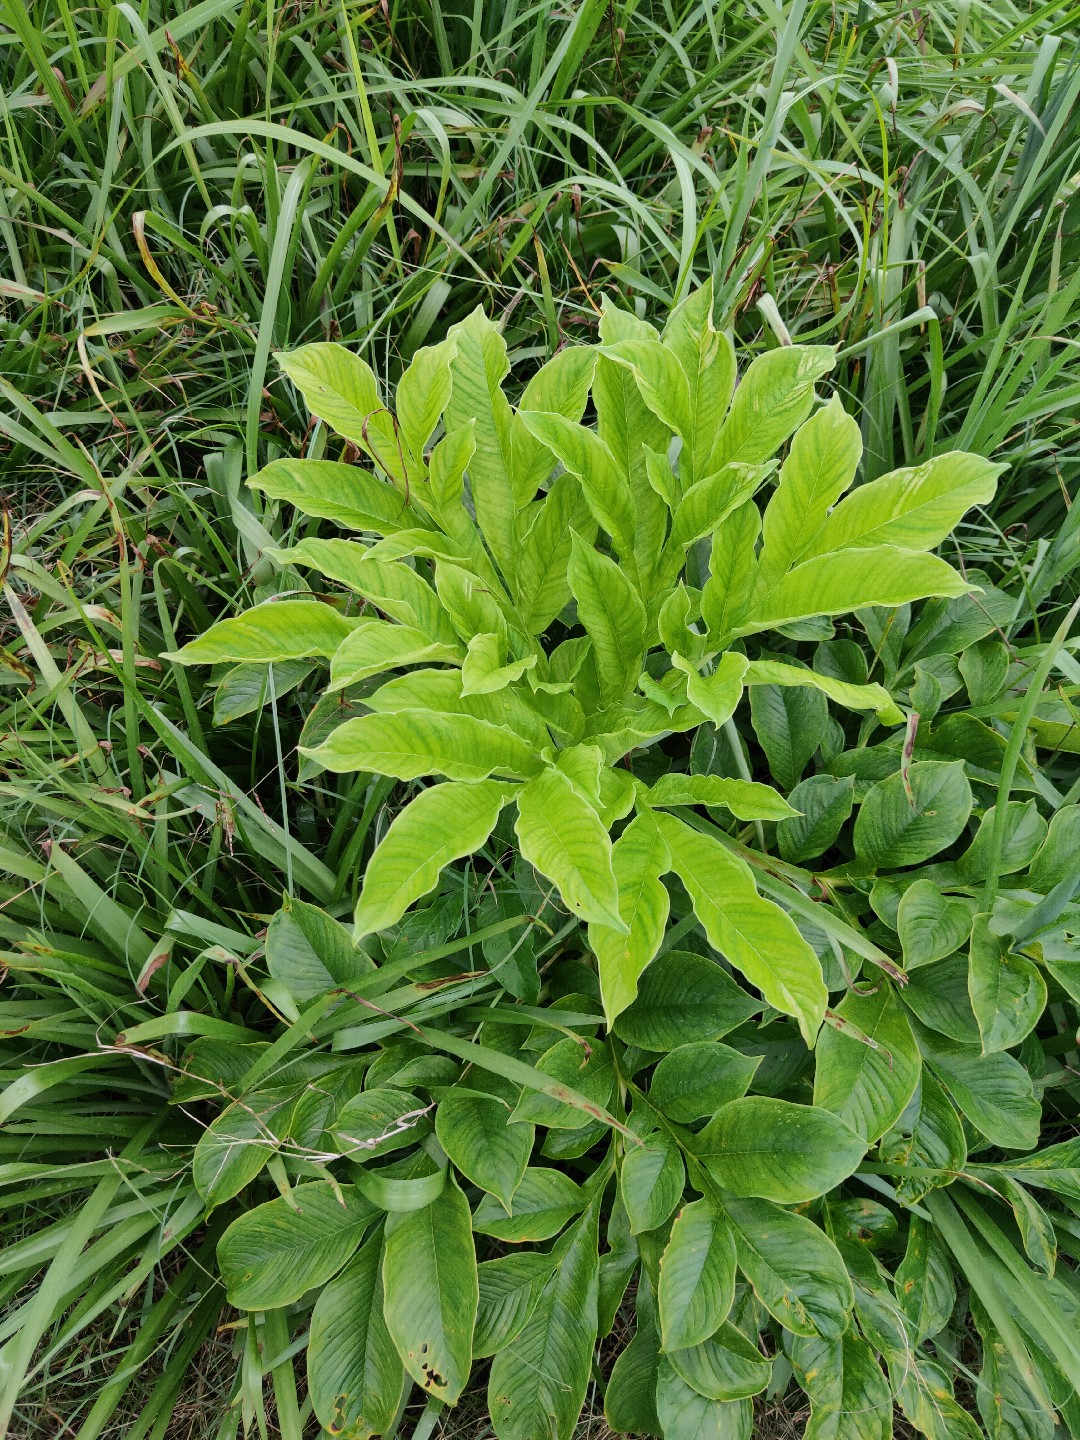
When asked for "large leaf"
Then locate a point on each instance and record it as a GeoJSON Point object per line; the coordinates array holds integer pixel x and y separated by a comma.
{"type": "Point", "coordinates": [278, 630]}
{"type": "Point", "coordinates": [927, 1141]}
{"type": "Point", "coordinates": [755, 935]}
{"type": "Point", "coordinates": [726, 596]}
{"type": "Point", "coordinates": [695, 1080]}
{"type": "Point", "coordinates": [895, 827]}
{"type": "Point", "coordinates": [651, 1182]}
{"type": "Point", "coordinates": [429, 1275]}
{"type": "Point", "coordinates": [774, 397]}
{"type": "Point", "coordinates": [684, 998]}
{"type": "Point", "coordinates": [537, 1384]}
{"type": "Point", "coordinates": [584, 1066]}
{"type": "Point", "coordinates": [330, 490]}
{"type": "Point", "coordinates": [639, 858]}
{"type": "Point", "coordinates": [543, 1202]}
{"type": "Point", "coordinates": [825, 804]}
{"type": "Point", "coordinates": [510, 1288]}
{"type": "Point", "coordinates": [868, 1065]}
{"type": "Point", "coordinates": [993, 1091]}
{"type": "Point", "coordinates": [789, 724]}
{"type": "Point", "coordinates": [836, 583]}
{"type": "Point", "coordinates": [561, 834]}
{"type": "Point", "coordinates": [340, 388]}
{"type": "Point", "coordinates": [441, 824]}
{"type": "Point", "coordinates": [408, 743]}
{"type": "Point", "coordinates": [541, 586]}
{"type": "Point", "coordinates": [697, 1275]}
{"type": "Point", "coordinates": [850, 1398]}
{"type": "Point", "coordinates": [272, 1255]}
{"type": "Point", "coordinates": [1007, 992]}
{"type": "Point", "coordinates": [611, 611]}
{"type": "Point", "coordinates": [708, 360]}
{"type": "Point", "coordinates": [726, 1366]}
{"type": "Point", "coordinates": [746, 799]}
{"type": "Point", "coordinates": [478, 368]}
{"type": "Point", "coordinates": [378, 645]}
{"type": "Point", "coordinates": [686, 1415]}
{"type": "Point", "coordinates": [355, 1376]}
{"type": "Point", "coordinates": [853, 697]}
{"type": "Point", "coordinates": [914, 509]}
{"type": "Point", "coordinates": [423, 393]}
{"type": "Point", "coordinates": [777, 1150]}
{"type": "Point", "coordinates": [820, 466]}
{"type": "Point", "coordinates": [931, 925]}
{"type": "Point", "coordinates": [475, 1132]}
{"type": "Point", "coordinates": [795, 1269]}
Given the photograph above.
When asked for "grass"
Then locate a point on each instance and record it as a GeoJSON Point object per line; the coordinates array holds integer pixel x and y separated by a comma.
{"type": "Point", "coordinates": [184, 191]}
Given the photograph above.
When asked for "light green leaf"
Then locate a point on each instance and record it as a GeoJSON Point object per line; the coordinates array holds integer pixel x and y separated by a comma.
{"type": "Point", "coordinates": [233, 1149]}
{"type": "Point", "coordinates": [913, 509]}
{"type": "Point", "coordinates": [850, 1398]}
{"type": "Point", "coordinates": [340, 388]}
{"type": "Point", "coordinates": [852, 697]}
{"type": "Point", "coordinates": [708, 360]}
{"type": "Point", "coordinates": [708, 503]}
{"type": "Point", "coordinates": [795, 1269]}
{"type": "Point", "coordinates": [893, 830]}
{"type": "Point", "coordinates": [716, 695]}
{"type": "Point", "coordinates": [469, 602]}
{"type": "Point", "coordinates": [726, 595]}
{"type": "Point", "coordinates": [408, 743]}
{"type": "Point", "coordinates": [378, 645]}
{"type": "Point", "coordinates": [541, 587]}
{"type": "Point", "coordinates": [538, 1383]}
{"type": "Point", "coordinates": [440, 825]}
{"type": "Point", "coordinates": [697, 1275]}
{"type": "Point", "coordinates": [355, 1377]}
{"type": "Point", "coordinates": [821, 464]}
{"type": "Point", "coordinates": [1008, 995]}
{"type": "Point", "coordinates": [868, 1075]}
{"type": "Point", "coordinates": [836, 583]}
{"type": "Point", "coordinates": [929, 1137]}
{"type": "Point", "coordinates": [777, 1150]}
{"type": "Point", "coordinates": [630, 431]}
{"type": "Point", "coordinates": [331, 490]}
{"type": "Point", "coordinates": [391, 585]}
{"type": "Point", "coordinates": [660, 378]}
{"type": "Point", "coordinates": [755, 935]}
{"type": "Point", "coordinates": [423, 393]}
{"type": "Point", "coordinates": [639, 858]}
{"type": "Point", "coordinates": [746, 799]}
{"type": "Point", "coordinates": [475, 1132]}
{"type": "Point", "coordinates": [925, 1286]}
{"type": "Point", "coordinates": [278, 630]}
{"type": "Point", "coordinates": [561, 834]}
{"type": "Point", "coordinates": [606, 488]}
{"type": "Point", "coordinates": [773, 398]}
{"type": "Point", "coordinates": [446, 476]}
{"type": "Point", "coordinates": [273, 1254]}
{"type": "Point", "coordinates": [611, 611]}
{"type": "Point", "coordinates": [485, 669]}
{"type": "Point", "coordinates": [478, 369]}
{"type": "Point", "coordinates": [586, 1068]}
{"type": "Point", "coordinates": [440, 690]}
{"type": "Point", "coordinates": [429, 1276]}
{"type": "Point", "coordinates": [686, 1415]}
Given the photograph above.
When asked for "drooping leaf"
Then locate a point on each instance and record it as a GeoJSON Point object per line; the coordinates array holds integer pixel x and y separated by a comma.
{"type": "Point", "coordinates": [697, 1275]}
{"type": "Point", "coordinates": [440, 825]}
{"type": "Point", "coordinates": [850, 1397]}
{"type": "Point", "coordinates": [543, 1202]}
{"type": "Point", "coordinates": [868, 1075]}
{"type": "Point", "coordinates": [756, 936]}
{"type": "Point", "coordinates": [355, 1377]}
{"type": "Point", "coordinates": [390, 585]}
{"type": "Point", "coordinates": [408, 743]}
{"type": "Point", "coordinates": [630, 1397]}
{"type": "Point", "coordinates": [774, 397]}
{"type": "Point", "coordinates": [852, 697]}
{"type": "Point", "coordinates": [510, 1288]}
{"type": "Point", "coordinates": [330, 490]}
{"type": "Point", "coordinates": [340, 388]}
{"type": "Point", "coordinates": [777, 1150]}
{"type": "Point", "coordinates": [726, 1366]}
{"type": "Point", "coordinates": [746, 799]}
{"type": "Point", "coordinates": [272, 1255]}
{"type": "Point", "coordinates": [379, 645]}
{"type": "Point", "coordinates": [475, 1132]}
{"type": "Point", "coordinates": [561, 834]}
{"type": "Point", "coordinates": [686, 1415]}
{"type": "Point", "coordinates": [431, 1292]}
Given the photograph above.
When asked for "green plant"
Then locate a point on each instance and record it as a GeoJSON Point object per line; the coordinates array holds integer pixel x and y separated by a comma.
{"type": "Point", "coordinates": [596, 606]}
